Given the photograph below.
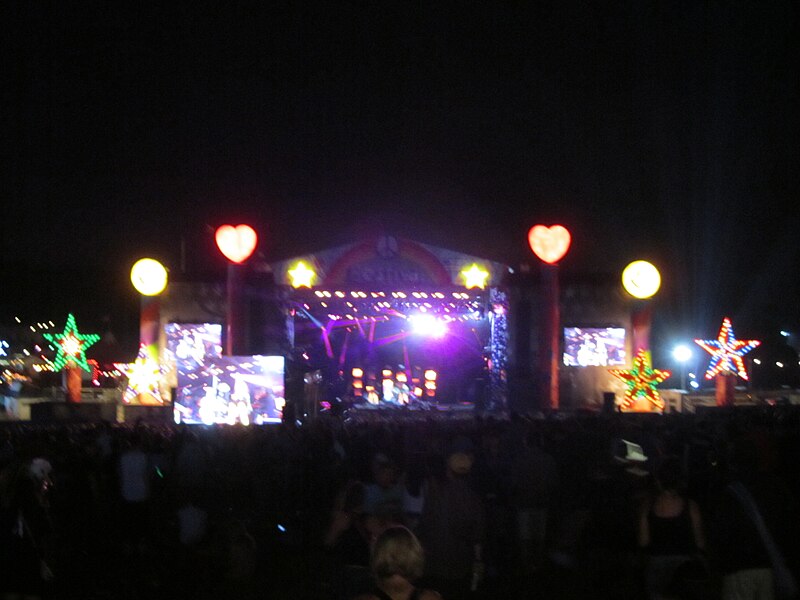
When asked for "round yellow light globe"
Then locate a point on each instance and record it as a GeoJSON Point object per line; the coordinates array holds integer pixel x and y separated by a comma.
{"type": "Point", "coordinates": [149, 277]}
{"type": "Point", "coordinates": [641, 279]}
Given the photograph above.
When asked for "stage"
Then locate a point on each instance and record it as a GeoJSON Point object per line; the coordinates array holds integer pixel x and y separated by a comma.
{"type": "Point", "coordinates": [388, 412]}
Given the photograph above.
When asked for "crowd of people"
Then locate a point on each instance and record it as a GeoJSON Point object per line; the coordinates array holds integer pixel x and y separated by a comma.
{"type": "Point", "coordinates": [563, 506]}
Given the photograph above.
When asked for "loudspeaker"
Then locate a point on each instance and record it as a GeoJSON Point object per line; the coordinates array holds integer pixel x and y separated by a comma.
{"type": "Point", "coordinates": [77, 412]}
{"type": "Point", "coordinates": [148, 414]}
{"type": "Point", "coordinates": [609, 402]}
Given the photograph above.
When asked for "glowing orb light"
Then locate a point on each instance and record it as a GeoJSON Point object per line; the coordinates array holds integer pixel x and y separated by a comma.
{"type": "Point", "coordinates": [149, 277]}
{"type": "Point", "coordinates": [550, 244]}
{"type": "Point", "coordinates": [475, 277]}
{"type": "Point", "coordinates": [641, 279]}
{"type": "Point", "coordinates": [302, 275]}
{"type": "Point", "coordinates": [71, 346]}
{"type": "Point", "coordinates": [236, 243]}
{"type": "Point", "coordinates": [726, 351]}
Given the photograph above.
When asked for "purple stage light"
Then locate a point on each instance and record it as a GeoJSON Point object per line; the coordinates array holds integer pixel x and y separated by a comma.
{"type": "Point", "coordinates": [428, 325]}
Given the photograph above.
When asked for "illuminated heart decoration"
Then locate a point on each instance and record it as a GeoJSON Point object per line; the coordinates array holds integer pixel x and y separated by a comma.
{"type": "Point", "coordinates": [549, 243]}
{"type": "Point", "coordinates": [236, 243]}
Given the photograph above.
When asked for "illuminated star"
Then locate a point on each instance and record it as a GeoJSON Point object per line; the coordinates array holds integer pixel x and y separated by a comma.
{"type": "Point", "coordinates": [144, 375]}
{"type": "Point", "coordinates": [641, 380]}
{"type": "Point", "coordinates": [71, 346]}
{"type": "Point", "coordinates": [475, 277]}
{"type": "Point", "coordinates": [726, 351]}
{"type": "Point", "coordinates": [302, 275]}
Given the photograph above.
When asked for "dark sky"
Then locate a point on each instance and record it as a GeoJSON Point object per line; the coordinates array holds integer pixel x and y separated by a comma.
{"type": "Point", "coordinates": [659, 130]}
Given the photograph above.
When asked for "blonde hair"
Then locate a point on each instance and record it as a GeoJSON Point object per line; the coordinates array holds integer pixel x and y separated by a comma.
{"type": "Point", "coordinates": [397, 551]}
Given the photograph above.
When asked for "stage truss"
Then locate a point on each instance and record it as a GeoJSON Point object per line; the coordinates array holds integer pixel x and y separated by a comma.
{"type": "Point", "coordinates": [405, 348]}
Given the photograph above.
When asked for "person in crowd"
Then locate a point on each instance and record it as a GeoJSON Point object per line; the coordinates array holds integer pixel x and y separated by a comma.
{"type": "Point", "coordinates": [491, 475]}
{"type": "Point", "coordinates": [383, 497]}
{"type": "Point", "coordinates": [135, 474]}
{"type": "Point", "coordinates": [28, 535]}
{"type": "Point", "coordinates": [670, 530]}
{"type": "Point", "coordinates": [746, 554]}
{"type": "Point", "coordinates": [534, 483]}
{"type": "Point", "coordinates": [239, 561]}
{"type": "Point", "coordinates": [413, 491]}
{"type": "Point", "coordinates": [452, 527]}
{"type": "Point", "coordinates": [348, 539]}
{"type": "Point", "coordinates": [397, 562]}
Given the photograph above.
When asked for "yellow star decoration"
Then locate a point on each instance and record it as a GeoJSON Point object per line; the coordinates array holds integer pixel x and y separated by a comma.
{"type": "Point", "coordinates": [641, 381]}
{"type": "Point", "coordinates": [302, 275]}
{"type": "Point", "coordinates": [475, 277]}
{"type": "Point", "coordinates": [144, 375]}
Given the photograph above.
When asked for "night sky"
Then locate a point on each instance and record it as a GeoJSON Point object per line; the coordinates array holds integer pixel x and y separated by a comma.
{"type": "Point", "coordinates": [660, 130]}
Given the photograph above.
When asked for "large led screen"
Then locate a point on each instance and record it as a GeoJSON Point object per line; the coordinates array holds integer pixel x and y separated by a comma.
{"type": "Point", "coordinates": [230, 390]}
{"type": "Point", "coordinates": [594, 346]}
{"type": "Point", "coordinates": [193, 343]}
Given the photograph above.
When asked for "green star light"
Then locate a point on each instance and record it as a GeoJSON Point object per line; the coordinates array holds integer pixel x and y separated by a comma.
{"type": "Point", "coordinates": [71, 346]}
{"type": "Point", "coordinates": [642, 380]}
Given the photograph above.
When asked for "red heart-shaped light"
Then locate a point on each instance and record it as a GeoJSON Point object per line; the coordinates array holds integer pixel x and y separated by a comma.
{"type": "Point", "coordinates": [549, 243]}
{"type": "Point", "coordinates": [236, 243]}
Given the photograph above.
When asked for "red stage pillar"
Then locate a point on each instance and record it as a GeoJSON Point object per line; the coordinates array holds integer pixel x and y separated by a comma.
{"type": "Point", "coordinates": [73, 383]}
{"type": "Point", "coordinates": [149, 322]}
{"type": "Point", "coordinates": [641, 321]}
{"type": "Point", "coordinates": [552, 333]}
{"type": "Point", "coordinates": [233, 316]}
{"type": "Point", "coordinates": [726, 385]}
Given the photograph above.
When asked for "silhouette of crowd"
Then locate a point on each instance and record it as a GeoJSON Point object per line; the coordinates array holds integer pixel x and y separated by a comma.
{"type": "Point", "coordinates": [562, 506]}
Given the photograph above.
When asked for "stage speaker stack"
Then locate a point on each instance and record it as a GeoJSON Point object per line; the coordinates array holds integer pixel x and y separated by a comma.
{"type": "Point", "coordinates": [267, 320]}
{"type": "Point", "coordinates": [609, 403]}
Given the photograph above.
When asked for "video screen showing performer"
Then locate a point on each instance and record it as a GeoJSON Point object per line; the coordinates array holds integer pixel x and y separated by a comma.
{"type": "Point", "coordinates": [191, 343]}
{"type": "Point", "coordinates": [231, 390]}
{"type": "Point", "coordinates": [594, 346]}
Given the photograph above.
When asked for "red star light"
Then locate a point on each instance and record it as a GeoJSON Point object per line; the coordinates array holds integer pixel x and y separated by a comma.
{"type": "Point", "coordinates": [726, 352]}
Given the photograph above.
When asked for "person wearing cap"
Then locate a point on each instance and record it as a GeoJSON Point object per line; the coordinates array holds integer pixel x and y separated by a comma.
{"type": "Point", "coordinates": [452, 526]}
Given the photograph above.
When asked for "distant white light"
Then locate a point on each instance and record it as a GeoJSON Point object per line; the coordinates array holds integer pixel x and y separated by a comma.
{"type": "Point", "coordinates": [784, 333]}
{"type": "Point", "coordinates": [757, 361]}
{"type": "Point", "coordinates": [779, 364]}
{"type": "Point", "coordinates": [682, 353]}
{"type": "Point", "coordinates": [694, 384]}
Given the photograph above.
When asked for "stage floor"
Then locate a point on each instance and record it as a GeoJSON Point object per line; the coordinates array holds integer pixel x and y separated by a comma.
{"type": "Point", "coordinates": [416, 411]}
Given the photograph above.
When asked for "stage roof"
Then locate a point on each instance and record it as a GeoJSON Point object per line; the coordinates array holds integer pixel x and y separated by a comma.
{"type": "Point", "coordinates": [388, 262]}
